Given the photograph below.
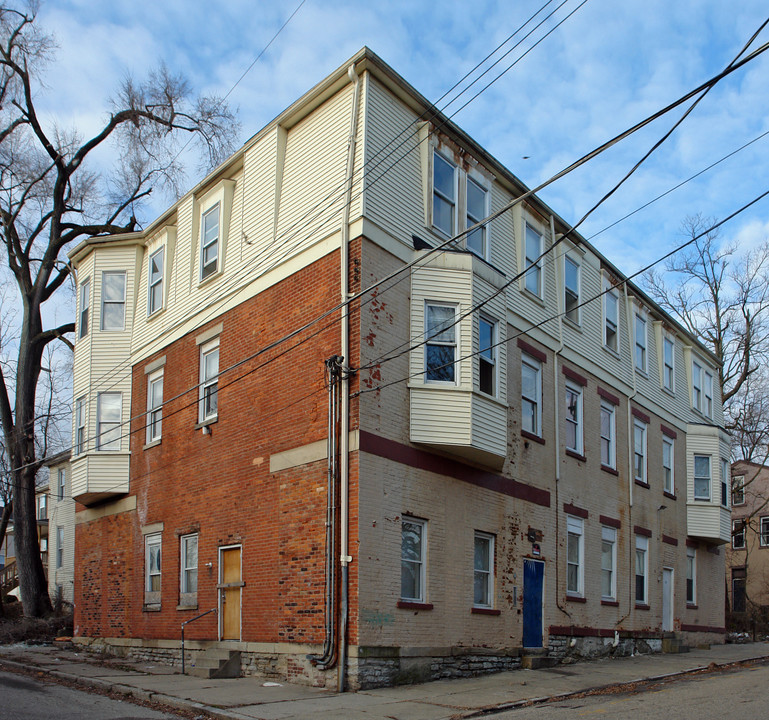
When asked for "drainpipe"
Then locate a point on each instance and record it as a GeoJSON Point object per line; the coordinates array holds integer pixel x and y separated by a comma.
{"type": "Point", "coordinates": [344, 430]}
{"type": "Point", "coordinates": [557, 449]}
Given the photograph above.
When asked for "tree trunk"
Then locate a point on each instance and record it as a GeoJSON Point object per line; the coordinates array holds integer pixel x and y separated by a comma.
{"type": "Point", "coordinates": [4, 520]}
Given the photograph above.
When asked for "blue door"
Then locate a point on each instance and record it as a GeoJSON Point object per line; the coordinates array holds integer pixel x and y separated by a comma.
{"type": "Point", "coordinates": [533, 582]}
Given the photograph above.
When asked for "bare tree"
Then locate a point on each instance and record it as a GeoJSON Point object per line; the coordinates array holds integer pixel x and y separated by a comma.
{"type": "Point", "coordinates": [721, 296]}
{"type": "Point", "coordinates": [53, 195]}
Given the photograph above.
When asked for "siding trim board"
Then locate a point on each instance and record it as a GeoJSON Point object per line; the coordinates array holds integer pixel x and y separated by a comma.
{"type": "Point", "coordinates": [422, 460]}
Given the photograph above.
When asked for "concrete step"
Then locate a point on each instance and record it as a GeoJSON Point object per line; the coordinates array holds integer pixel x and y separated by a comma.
{"type": "Point", "coordinates": [217, 663]}
{"type": "Point", "coordinates": [674, 645]}
{"type": "Point", "coordinates": [534, 661]}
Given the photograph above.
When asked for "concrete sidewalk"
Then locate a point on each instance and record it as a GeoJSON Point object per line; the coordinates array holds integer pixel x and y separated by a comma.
{"type": "Point", "coordinates": [256, 698]}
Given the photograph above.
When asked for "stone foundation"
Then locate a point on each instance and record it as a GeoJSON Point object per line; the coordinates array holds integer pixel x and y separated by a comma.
{"type": "Point", "coordinates": [570, 648]}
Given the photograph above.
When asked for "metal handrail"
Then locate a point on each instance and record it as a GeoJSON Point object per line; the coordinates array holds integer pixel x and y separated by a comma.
{"type": "Point", "coordinates": [187, 622]}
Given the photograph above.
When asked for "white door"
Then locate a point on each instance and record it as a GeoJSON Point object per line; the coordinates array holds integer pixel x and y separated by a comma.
{"type": "Point", "coordinates": [667, 599]}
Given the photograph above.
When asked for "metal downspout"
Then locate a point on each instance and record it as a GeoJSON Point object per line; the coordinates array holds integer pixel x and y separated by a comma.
{"type": "Point", "coordinates": [344, 432]}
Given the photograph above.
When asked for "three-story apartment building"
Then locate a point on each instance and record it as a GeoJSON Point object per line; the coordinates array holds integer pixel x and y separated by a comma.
{"type": "Point", "coordinates": [307, 398]}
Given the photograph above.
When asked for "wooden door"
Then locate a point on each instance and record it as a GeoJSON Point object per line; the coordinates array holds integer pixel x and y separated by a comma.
{"type": "Point", "coordinates": [230, 588]}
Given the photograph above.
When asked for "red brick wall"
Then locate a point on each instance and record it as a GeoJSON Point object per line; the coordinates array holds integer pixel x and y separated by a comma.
{"type": "Point", "coordinates": [220, 484]}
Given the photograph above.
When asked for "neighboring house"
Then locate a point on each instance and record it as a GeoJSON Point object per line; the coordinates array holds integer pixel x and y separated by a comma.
{"type": "Point", "coordinates": [499, 481]}
{"type": "Point", "coordinates": [747, 560]}
{"type": "Point", "coordinates": [61, 529]}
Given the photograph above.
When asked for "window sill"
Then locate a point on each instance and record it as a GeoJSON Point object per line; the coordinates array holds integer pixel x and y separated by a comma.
{"type": "Point", "coordinates": [576, 455]}
{"type": "Point", "coordinates": [611, 352]}
{"type": "Point", "coordinates": [702, 500]}
{"type": "Point", "coordinates": [186, 607]}
{"type": "Point", "coordinates": [151, 608]}
{"type": "Point", "coordinates": [610, 603]}
{"type": "Point", "coordinates": [668, 391]}
{"type": "Point", "coordinates": [532, 296]}
{"type": "Point", "coordinates": [412, 605]}
{"type": "Point", "coordinates": [206, 423]}
{"type": "Point", "coordinates": [641, 483]}
{"type": "Point", "coordinates": [642, 606]}
{"type": "Point", "coordinates": [641, 372]}
{"type": "Point", "coordinates": [152, 444]}
{"type": "Point", "coordinates": [573, 324]}
{"type": "Point", "coordinates": [210, 278]}
{"type": "Point", "coordinates": [692, 606]}
{"type": "Point", "coordinates": [610, 470]}
{"type": "Point", "coordinates": [155, 313]}
{"type": "Point", "coordinates": [575, 598]}
{"type": "Point", "coordinates": [531, 436]}
{"type": "Point", "coordinates": [485, 611]}
{"type": "Point", "coordinates": [670, 496]}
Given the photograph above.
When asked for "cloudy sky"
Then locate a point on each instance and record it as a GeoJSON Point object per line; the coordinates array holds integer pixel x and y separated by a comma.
{"type": "Point", "coordinates": [605, 68]}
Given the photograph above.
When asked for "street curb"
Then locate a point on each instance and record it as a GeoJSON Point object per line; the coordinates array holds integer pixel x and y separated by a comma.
{"type": "Point", "coordinates": [529, 702]}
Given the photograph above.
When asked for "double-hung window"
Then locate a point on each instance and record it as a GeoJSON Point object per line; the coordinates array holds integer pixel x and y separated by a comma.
{"type": "Point", "coordinates": [80, 425]}
{"type": "Point", "coordinates": [532, 263]}
{"type": "Point", "coordinates": [155, 281]}
{"type": "Point", "coordinates": [707, 394]}
{"type": "Point", "coordinates": [571, 289]}
{"type": "Point", "coordinates": [477, 209]}
{"type": "Point", "coordinates": [691, 576]}
{"type": "Point", "coordinates": [531, 395]}
{"type": "Point", "coordinates": [209, 242]}
{"type": "Point", "coordinates": [639, 450]}
{"type": "Point", "coordinates": [154, 405]}
{"type": "Point", "coordinates": [641, 569]}
{"type": "Point", "coordinates": [152, 568]}
{"type": "Point", "coordinates": [702, 475]}
{"type": "Point", "coordinates": [763, 536]}
{"type": "Point", "coordinates": [42, 507]}
{"type": "Point", "coordinates": [640, 343]}
{"type": "Point", "coordinates": [188, 563]}
{"type": "Point", "coordinates": [724, 482]}
{"type": "Point", "coordinates": [59, 546]}
{"type": "Point", "coordinates": [444, 194]}
{"type": "Point", "coordinates": [61, 483]}
{"type": "Point", "coordinates": [608, 563]}
{"type": "Point", "coordinates": [608, 435]}
{"type": "Point", "coordinates": [738, 490]}
{"type": "Point", "coordinates": [113, 301]}
{"type": "Point", "coordinates": [574, 418]}
{"type": "Point", "coordinates": [85, 307]}
{"type": "Point", "coordinates": [610, 318]}
{"type": "Point", "coordinates": [487, 356]}
{"type": "Point", "coordinates": [738, 534]}
{"type": "Point", "coordinates": [696, 385]}
{"type": "Point", "coordinates": [483, 570]}
{"type": "Point", "coordinates": [209, 380]}
{"type": "Point", "coordinates": [575, 556]}
{"type": "Point", "coordinates": [668, 364]}
{"type": "Point", "coordinates": [668, 459]}
{"type": "Point", "coordinates": [441, 345]}
{"type": "Point", "coordinates": [108, 418]}
{"type": "Point", "coordinates": [413, 546]}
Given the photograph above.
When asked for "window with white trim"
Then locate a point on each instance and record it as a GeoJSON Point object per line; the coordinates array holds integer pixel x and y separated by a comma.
{"type": "Point", "coordinates": [477, 210]}
{"type": "Point", "coordinates": [574, 418]}
{"type": "Point", "coordinates": [483, 570]}
{"type": "Point", "coordinates": [80, 429]}
{"type": "Point", "coordinates": [738, 534]}
{"type": "Point", "coordinates": [531, 395]}
{"type": "Point", "coordinates": [61, 484]}
{"type": "Point", "coordinates": [738, 490]}
{"type": "Point", "coordinates": [639, 450]}
{"type": "Point", "coordinates": [575, 556]}
{"type": "Point", "coordinates": [154, 405]}
{"type": "Point", "coordinates": [724, 482]}
{"type": "Point", "coordinates": [209, 381]}
{"type": "Point", "coordinates": [702, 475]}
{"type": "Point", "coordinates": [152, 568]}
{"type": "Point", "coordinates": [763, 536]}
{"type": "Point", "coordinates": [608, 434]}
{"type": "Point", "coordinates": [59, 546]}
{"type": "Point", "coordinates": [707, 392]}
{"type": "Point", "coordinates": [668, 458]}
{"type": "Point", "coordinates": [413, 553]}
{"type": "Point", "coordinates": [641, 569]}
{"type": "Point", "coordinates": [532, 263]}
{"type": "Point", "coordinates": [109, 409]}
{"type": "Point", "coordinates": [487, 356]}
{"type": "Point", "coordinates": [610, 317]}
{"type": "Point", "coordinates": [188, 564]}
{"type": "Point", "coordinates": [441, 344]}
{"type": "Point", "coordinates": [696, 385]}
{"type": "Point", "coordinates": [571, 282]}
{"type": "Point", "coordinates": [668, 364]}
{"type": "Point", "coordinates": [155, 281]}
{"type": "Point", "coordinates": [85, 307]}
{"type": "Point", "coordinates": [209, 241]}
{"type": "Point", "coordinates": [113, 286]}
{"type": "Point", "coordinates": [608, 563]}
{"type": "Point", "coordinates": [444, 194]}
{"type": "Point", "coordinates": [42, 506]}
{"type": "Point", "coordinates": [691, 576]}
{"type": "Point", "coordinates": [640, 343]}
